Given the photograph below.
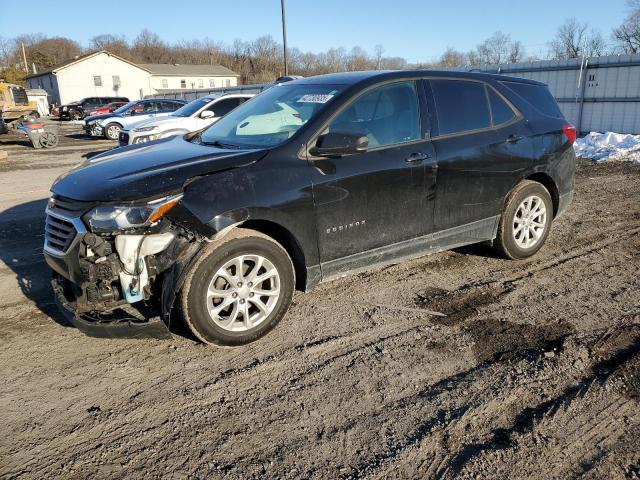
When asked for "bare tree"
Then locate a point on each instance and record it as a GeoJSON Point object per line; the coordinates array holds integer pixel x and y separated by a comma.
{"type": "Point", "coordinates": [378, 52]}
{"type": "Point", "coordinates": [627, 35]}
{"type": "Point", "coordinates": [116, 44]}
{"type": "Point", "coordinates": [497, 49]}
{"type": "Point", "coordinates": [452, 58]}
{"type": "Point", "coordinates": [257, 61]}
{"type": "Point", "coordinates": [494, 49]}
{"type": "Point", "coordinates": [516, 52]}
{"type": "Point", "coordinates": [149, 48]}
{"type": "Point", "coordinates": [574, 39]}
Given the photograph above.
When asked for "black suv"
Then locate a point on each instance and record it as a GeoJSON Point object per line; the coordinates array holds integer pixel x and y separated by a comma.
{"type": "Point", "coordinates": [311, 180]}
{"type": "Point", "coordinates": [78, 110]}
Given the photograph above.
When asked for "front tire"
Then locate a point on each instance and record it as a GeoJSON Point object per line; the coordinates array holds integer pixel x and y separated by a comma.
{"type": "Point", "coordinates": [75, 115]}
{"type": "Point", "coordinates": [525, 222]}
{"type": "Point", "coordinates": [112, 131]}
{"type": "Point", "coordinates": [238, 289]}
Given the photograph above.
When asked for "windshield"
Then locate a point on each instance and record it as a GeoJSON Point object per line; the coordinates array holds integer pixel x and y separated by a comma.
{"type": "Point", "coordinates": [124, 108]}
{"type": "Point", "coordinates": [270, 118]}
{"type": "Point", "coordinates": [192, 107]}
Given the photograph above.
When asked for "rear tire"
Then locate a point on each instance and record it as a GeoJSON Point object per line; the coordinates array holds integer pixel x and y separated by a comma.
{"type": "Point", "coordinates": [239, 288]}
{"type": "Point", "coordinates": [525, 222]}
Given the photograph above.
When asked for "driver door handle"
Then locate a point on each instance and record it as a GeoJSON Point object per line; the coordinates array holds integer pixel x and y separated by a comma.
{"type": "Point", "coordinates": [513, 138]}
{"type": "Point", "coordinates": [417, 157]}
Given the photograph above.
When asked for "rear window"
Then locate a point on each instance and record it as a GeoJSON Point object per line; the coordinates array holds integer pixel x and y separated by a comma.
{"type": "Point", "coordinates": [538, 96]}
{"type": "Point", "coordinates": [461, 106]}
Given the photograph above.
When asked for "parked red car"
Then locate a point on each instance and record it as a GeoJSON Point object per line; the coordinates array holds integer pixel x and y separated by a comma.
{"type": "Point", "coordinates": [108, 108]}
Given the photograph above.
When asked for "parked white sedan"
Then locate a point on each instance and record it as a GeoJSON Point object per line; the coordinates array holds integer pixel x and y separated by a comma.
{"type": "Point", "coordinates": [194, 116]}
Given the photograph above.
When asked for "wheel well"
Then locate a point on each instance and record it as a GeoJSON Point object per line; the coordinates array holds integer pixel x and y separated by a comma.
{"type": "Point", "coordinates": [285, 238]}
{"type": "Point", "coordinates": [550, 185]}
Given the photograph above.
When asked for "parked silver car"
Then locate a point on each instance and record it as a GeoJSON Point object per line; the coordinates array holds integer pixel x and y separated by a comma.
{"type": "Point", "coordinates": [196, 115]}
{"type": "Point", "coordinates": [110, 124]}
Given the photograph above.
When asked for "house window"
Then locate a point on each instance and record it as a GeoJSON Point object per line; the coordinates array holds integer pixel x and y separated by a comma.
{"type": "Point", "coordinates": [200, 83]}
{"type": "Point", "coordinates": [97, 80]}
{"type": "Point", "coordinates": [183, 83]}
{"type": "Point", "coordinates": [165, 83]}
{"type": "Point", "coordinates": [212, 82]}
{"type": "Point", "coordinates": [227, 82]}
{"type": "Point", "coordinates": [116, 81]}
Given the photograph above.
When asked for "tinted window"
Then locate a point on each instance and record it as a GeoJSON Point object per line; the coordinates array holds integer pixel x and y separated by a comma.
{"type": "Point", "coordinates": [91, 102]}
{"type": "Point", "coordinates": [386, 115]}
{"type": "Point", "coordinates": [500, 111]}
{"type": "Point", "coordinates": [537, 95]}
{"type": "Point", "coordinates": [461, 106]}
{"type": "Point", "coordinates": [223, 107]}
{"type": "Point", "coordinates": [150, 107]}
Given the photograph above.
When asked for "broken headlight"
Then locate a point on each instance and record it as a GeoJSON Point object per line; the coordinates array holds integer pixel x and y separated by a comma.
{"type": "Point", "coordinates": [113, 218]}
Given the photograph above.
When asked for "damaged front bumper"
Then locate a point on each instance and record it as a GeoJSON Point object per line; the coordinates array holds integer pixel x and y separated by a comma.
{"type": "Point", "coordinates": [118, 323]}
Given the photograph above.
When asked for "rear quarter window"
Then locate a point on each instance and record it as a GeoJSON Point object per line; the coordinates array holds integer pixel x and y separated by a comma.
{"type": "Point", "coordinates": [538, 96]}
{"type": "Point", "coordinates": [500, 111]}
{"type": "Point", "coordinates": [461, 106]}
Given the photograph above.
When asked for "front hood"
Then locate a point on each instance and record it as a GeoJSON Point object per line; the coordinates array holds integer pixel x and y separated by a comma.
{"type": "Point", "coordinates": [162, 121]}
{"type": "Point", "coordinates": [102, 116]}
{"type": "Point", "coordinates": [147, 170]}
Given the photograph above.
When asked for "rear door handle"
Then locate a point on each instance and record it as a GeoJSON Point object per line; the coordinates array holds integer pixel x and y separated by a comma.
{"type": "Point", "coordinates": [417, 157]}
{"type": "Point", "coordinates": [513, 138]}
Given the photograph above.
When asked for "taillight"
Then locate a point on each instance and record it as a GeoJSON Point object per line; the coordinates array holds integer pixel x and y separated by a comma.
{"type": "Point", "coordinates": [570, 132]}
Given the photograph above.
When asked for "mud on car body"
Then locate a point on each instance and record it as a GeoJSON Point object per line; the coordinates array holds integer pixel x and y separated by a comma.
{"type": "Point", "coordinates": [311, 180]}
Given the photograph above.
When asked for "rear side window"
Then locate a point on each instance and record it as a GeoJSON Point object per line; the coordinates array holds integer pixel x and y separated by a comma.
{"type": "Point", "coordinates": [500, 111]}
{"type": "Point", "coordinates": [221, 108]}
{"type": "Point", "coordinates": [461, 106]}
{"type": "Point", "coordinates": [538, 96]}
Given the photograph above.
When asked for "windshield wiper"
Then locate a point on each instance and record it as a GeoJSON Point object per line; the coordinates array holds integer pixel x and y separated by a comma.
{"type": "Point", "coordinates": [219, 144]}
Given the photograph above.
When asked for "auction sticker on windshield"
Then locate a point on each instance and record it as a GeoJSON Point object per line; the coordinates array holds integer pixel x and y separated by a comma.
{"type": "Point", "coordinates": [315, 98]}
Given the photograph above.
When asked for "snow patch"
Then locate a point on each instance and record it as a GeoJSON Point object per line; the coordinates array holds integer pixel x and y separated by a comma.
{"type": "Point", "coordinates": [608, 146]}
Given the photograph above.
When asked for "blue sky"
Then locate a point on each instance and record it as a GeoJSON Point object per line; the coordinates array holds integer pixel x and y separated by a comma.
{"type": "Point", "coordinates": [418, 30]}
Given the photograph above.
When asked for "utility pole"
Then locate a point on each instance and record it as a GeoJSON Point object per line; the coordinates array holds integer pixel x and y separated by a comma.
{"type": "Point", "coordinates": [24, 57]}
{"type": "Point", "coordinates": [284, 38]}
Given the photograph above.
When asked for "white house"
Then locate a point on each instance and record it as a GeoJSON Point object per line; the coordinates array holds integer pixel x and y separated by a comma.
{"type": "Point", "coordinates": [106, 75]}
{"type": "Point", "coordinates": [191, 77]}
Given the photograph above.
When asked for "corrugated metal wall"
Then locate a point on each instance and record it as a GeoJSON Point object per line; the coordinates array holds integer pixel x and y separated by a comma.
{"type": "Point", "coordinates": [599, 94]}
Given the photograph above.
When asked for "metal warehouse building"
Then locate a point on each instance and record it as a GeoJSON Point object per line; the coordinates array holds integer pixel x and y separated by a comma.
{"type": "Point", "coordinates": [600, 94]}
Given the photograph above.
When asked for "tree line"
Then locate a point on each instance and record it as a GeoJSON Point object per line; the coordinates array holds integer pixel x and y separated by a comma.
{"type": "Point", "coordinates": [261, 60]}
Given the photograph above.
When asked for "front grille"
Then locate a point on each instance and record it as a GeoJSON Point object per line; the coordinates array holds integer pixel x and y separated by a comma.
{"type": "Point", "coordinates": [123, 139]}
{"type": "Point", "coordinates": [62, 215]}
{"type": "Point", "coordinates": [59, 233]}
{"type": "Point", "coordinates": [68, 206]}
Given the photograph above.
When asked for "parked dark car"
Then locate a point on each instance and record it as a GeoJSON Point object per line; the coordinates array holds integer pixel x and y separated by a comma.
{"type": "Point", "coordinates": [108, 125]}
{"type": "Point", "coordinates": [311, 180]}
{"type": "Point", "coordinates": [78, 110]}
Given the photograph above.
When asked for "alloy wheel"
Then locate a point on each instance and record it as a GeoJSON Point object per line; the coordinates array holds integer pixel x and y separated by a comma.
{"type": "Point", "coordinates": [243, 293]}
{"type": "Point", "coordinates": [529, 221]}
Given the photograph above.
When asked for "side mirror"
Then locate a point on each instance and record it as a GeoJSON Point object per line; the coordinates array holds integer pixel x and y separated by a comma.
{"type": "Point", "coordinates": [207, 114]}
{"type": "Point", "coordinates": [335, 144]}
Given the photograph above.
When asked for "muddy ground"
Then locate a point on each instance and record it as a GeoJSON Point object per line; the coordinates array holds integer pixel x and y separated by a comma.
{"type": "Point", "coordinates": [534, 372]}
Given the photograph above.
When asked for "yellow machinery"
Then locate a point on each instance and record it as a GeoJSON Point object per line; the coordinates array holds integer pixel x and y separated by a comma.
{"type": "Point", "coordinates": [14, 103]}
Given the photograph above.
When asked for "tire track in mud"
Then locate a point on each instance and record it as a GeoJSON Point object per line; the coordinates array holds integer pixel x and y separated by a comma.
{"type": "Point", "coordinates": [467, 299]}
{"type": "Point", "coordinates": [525, 421]}
{"type": "Point", "coordinates": [501, 438]}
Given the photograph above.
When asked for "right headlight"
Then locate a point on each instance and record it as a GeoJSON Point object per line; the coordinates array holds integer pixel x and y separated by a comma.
{"type": "Point", "coordinates": [114, 218]}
